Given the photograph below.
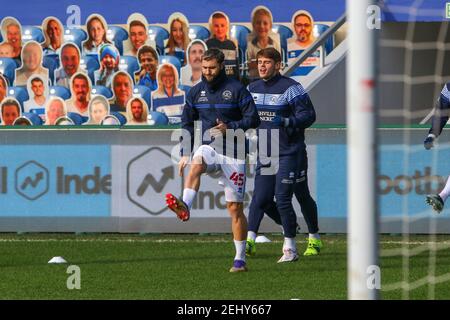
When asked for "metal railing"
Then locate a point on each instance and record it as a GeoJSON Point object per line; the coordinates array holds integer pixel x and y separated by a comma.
{"type": "Point", "coordinates": [318, 43]}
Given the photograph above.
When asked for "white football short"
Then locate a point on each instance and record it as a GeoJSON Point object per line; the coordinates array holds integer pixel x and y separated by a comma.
{"type": "Point", "coordinates": [233, 172]}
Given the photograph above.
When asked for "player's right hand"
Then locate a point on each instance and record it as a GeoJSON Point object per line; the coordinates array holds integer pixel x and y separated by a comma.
{"type": "Point", "coordinates": [182, 164]}
{"type": "Point", "coordinates": [429, 142]}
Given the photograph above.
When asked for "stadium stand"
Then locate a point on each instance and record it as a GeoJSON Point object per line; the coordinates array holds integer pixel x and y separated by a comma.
{"type": "Point", "coordinates": [32, 33]}
{"type": "Point", "coordinates": [76, 118]}
{"type": "Point", "coordinates": [102, 90]}
{"type": "Point", "coordinates": [240, 33]}
{"type": "Point", "coordinates": [320, 28]}
{"type": "Point", "coordinates": [129, 64]}
{"type": "Point", "coordinates": [117, 35]}
{"type": "Point", "coordinates": [159, 35]}
{"type": "Point", "coordinates": [198, 32]}
{"type": "Point", "coordinates": [7, 68]}
{"type": "Point", "coordinates": [184, 88]}
{"type": "Point", "coordinates": [19, 93]}
{"type": "Point", "coordinates": [51, 62]}
{"type": "Point", "coordinates": [122, 119]}
{"type": "Point", "coordinates": [60, 91]}
{"type": "Point", "coordinates": [34, 118]}
{"type": "Point", "coordinates": [144, 93]}
{"type": "Point", "coordinates": [285, 33]}
{"type": "Point", "coordinates": [156, 118]}
{"type": "Point", "coordinates": [76, 35]}
{"type": "Point", "coordinates": [90, 64]}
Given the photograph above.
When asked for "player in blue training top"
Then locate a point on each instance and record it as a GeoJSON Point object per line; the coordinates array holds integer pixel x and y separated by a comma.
{"type": "Point", "coordinates": [440, 118]}
{"type": "Point", "coordinates": [222, 106]}
{"type": "Point", "coordinates": [283, 106]}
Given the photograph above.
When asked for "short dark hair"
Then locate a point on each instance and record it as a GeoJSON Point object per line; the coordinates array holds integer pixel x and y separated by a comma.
{"type": "Point", "coordinates": [269, 53]}
{"type": "Point", "coordinates": [11, 102]}
{"type": "Point", "coordinates": [214, 53]}
{"type": "Point", "coordinates": [147, 49]}
{"type": "Point", "coordinates": [135, 23]}
{"type": "Point", "coordinates": [81, 76]}
{"type": "Point", "coordinates": [36, 79]}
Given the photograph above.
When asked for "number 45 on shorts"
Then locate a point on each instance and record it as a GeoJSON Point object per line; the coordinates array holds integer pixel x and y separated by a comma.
{"type": "Point", "coordinates": [238, 178]}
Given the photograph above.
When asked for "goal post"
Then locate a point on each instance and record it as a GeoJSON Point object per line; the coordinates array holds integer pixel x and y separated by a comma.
{"type": "Point", "coordinates": [361, 87]}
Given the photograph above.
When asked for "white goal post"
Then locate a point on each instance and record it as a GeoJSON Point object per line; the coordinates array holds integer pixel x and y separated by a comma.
{"type": "Point", "coordinates": [361, 95]}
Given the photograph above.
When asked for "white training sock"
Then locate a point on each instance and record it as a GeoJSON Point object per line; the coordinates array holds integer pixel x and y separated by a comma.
{"type": "Point", "coordinates": [188, 196]}
{"type": "Point", "coordinates": [446, 192]}
{"type": "Point", "coordinates": [251, 235]}
{"type": "Point", "coordinates": [289, 243]}
{"type": "Point", "coordinates": [240, 250]}
{"type": "Point", "coordinates": [314, 236]}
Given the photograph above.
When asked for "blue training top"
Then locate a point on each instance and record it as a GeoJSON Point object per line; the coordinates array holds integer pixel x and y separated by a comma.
{"type": "Point", "coordinates": [285, 97]}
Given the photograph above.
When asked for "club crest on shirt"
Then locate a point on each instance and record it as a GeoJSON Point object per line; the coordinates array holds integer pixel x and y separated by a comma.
{"type": "Point", "coordinates": [227, 95]}
{"type": "Point", "coordinates": [203, 97]}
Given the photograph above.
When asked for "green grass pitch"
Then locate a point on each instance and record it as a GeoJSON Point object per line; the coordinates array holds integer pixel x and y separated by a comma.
{"type": "Point", "coordinates": [115, 266]}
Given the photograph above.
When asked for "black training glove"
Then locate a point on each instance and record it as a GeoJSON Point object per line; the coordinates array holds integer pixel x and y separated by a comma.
{"type": "Point", "coordinates": [429, 141]}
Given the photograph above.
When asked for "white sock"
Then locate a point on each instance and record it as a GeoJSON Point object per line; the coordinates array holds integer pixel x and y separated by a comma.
{"type": "Point", "coordinates": [446, 192]}
{"type": "Point", "coordinates": [188, 196]}
{"type": "Point", "coordinates": [289, 243]}
{"type": "Point", "coordinates": [240, 250]}
{"type": "Point", "coordinates": [314, 236]}
{"type": "Point", "coordinates": [251, 235]}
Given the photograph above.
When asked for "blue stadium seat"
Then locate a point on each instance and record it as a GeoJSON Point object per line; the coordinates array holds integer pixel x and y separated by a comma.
{"type": "Point", "coordinates": [158, 34]}
{"type": "Point", "coordinates": [156, 118]}
{"type": "Point", "coordinates": [51, 62]}
{"type": "Point", "coordinates": [129, 64]}
{"type": "Point", "coordinates": [144, 93]}
{"type": "Point", "coordinates": [34, 118]}
{"type": "Point", "coordinates": [172, 60]}
{"type": "Point", "coordinates": [117, 35]}
{"type": "Point", "coordinates": [60, 91]}
{"type": "Point", "coordinates": [320, 28]}
{"type": "Point", "coordinates": [90, 64]}
{"type": "Point", "coordinates": [32, 33]}
{"type": "Point", "coordinates": [198, 32]}
{"type": "Point", "coordinates": [240, 33]}
{"type": "Point", "coordinates": [285, 33]}
{"type": "Point", "coordinates": [120, 117]}
{"type": "Point", "coordinates": [76, 118]}
{"type": "Point", "coordinates": [102, 90]}
{"type": "Point", "coordinates": [75, 35]}
{"type": "Point", "coordinates": [8, 69]}
{"type": "Point", "coordinates": [184, 88]}
{"type": "Point", "coordinates": [20, 93]}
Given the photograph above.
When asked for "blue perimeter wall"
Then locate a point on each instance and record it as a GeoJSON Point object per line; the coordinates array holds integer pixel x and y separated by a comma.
{"type": "Point", "coordinates": [33, 12]}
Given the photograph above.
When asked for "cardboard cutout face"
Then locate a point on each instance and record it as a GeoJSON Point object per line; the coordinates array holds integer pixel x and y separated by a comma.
{"type": "Point", "coordinates": [54, 35]}
{"type": "Point", "coordinates": [96, 28]}
{"type": "Point", "coordinates": [219, 26]}
{"type": "Point", "coordinates": [168, 98]}
{"type": "Point", "coordinates": [98, 109]}
{"type": "Point", "coordinates": [262, 22]}
{"type": "Point", "coordinates": [178, 31]}
{"type": "Point", "coordinates": [138, 33]}
{"type": "Point", "coordinates": [56, 108]}
{"type": "Point", "coordinates": [31, 64]}
{"type": "Point", "coordinates": [12, 34]}
{"type": "Point", "coordinates": [69, 58]}
{"type": "Point", "coordinates": [10, 111]}
{"type": "Point", "coordinates": [137, 111]}
{"type": "Point", "coordinates": [37, 88]}
{"type": "Point", "coordinates": [80, 88]}
{"type": "Point", "coordinates": [122, 87]}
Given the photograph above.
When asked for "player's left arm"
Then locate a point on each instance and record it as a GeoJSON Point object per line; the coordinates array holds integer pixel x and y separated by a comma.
{"type": "Point", "coordinates": [250, 118]}
{"type": "Point", "coordinates": [303, 113]}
